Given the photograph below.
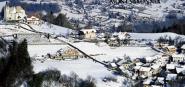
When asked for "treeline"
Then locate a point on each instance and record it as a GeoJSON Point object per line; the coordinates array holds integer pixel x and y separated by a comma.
{"type": "Point", "coordinates": [177, 41]}
{"type": "Point", "coordinates": [178, 28]}
{"type": "Point", "coordinates": [60, 20]}
{"type": "Point", "coordinates": [16, 69]}
{"type": "Point", "coordinates": [36, 7]}
{"type": "Point", "coordinates": [135, 1]}
{"type": "Point", "coordinates": [53, 78]}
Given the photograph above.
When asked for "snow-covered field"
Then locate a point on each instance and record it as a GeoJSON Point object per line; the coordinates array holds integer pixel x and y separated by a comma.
{"type": "Point", "coordinates": [53, 29]}
{"type": "Point", "coordinates": [85, 67]}
{"type": "Point", "coordinates": [108, 53]}
{"type": "Point", "coordinates": [39, 50]}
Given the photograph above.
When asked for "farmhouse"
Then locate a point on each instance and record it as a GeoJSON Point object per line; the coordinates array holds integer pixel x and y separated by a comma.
{"type": "Point", "coordinates": [33, 19]}
{"type": "Point", "coordinates": [67, 53]}
{"type": "Point", "coordinates": [89, 33]}
{"type": "Point", "coordinates": [171, 49]}
{"type": "Point", "coordinates": [15, 13]}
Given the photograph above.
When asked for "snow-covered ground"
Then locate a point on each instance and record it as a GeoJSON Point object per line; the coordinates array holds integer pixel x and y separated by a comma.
{"type": "Point", "coordinates": [39, 50]}
{"type": "Point", "coordinates": [108, 53]}
{"type": "Point", "coordinates": [85, 67]}
{"type": "Point", "coordinates": [154, 36]}
{"type": "Point", "coordinates": [11, 29]}
{"type": "Point", "coordinates": [53, 29]}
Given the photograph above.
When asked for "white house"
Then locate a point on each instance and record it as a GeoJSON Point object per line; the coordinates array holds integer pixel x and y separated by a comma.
{"type": "Point", "coordinates": [155, 69]}
{"type": "Point", "coordinates": [33, 20]}
{"type": "Point", "coordinates": [170, 66]}
{"type": "Point", "coordinates": [178, 57]}
{"type": "Point", "coordinates": [145, 71]}
{"type": "Point", "coordinates": [89, 33]}
{"type": "Point", "coordinates": [15, 13]}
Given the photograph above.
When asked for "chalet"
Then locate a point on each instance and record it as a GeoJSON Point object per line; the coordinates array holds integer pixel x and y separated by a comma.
{"type": "Point", "coordinates": [126, 64]}
{"type": "Point", "coordinates": [155, 69]}
{"type": "Point", "coordinates": [15, 13]}
{"type": "Point", "coordinates": [68, 53]}
{"type": "Point", "coordinates": [178, 57]}
{"type": "Point", "coordinates": [88, 34]}
{"type": "Point", "coordinates": [145, 71]}
{"type": "Point", "coordinates": [171, 49]}
{"type": "Point", "coordinates": [33, 19]}
{"type": "Point", "coordinates": [113, 41]}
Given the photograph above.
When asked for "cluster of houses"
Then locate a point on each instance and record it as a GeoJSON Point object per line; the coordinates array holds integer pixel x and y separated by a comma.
{"type": "Point", "coordinates": [112, 39]}
{"type": "Point", "coordinates": [156, 71]}
{"type": "Point", "coordinates": [18, 14]}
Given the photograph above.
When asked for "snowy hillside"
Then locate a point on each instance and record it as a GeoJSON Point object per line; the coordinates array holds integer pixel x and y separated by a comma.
{"type": "Point", "coordinates": [142, 17]}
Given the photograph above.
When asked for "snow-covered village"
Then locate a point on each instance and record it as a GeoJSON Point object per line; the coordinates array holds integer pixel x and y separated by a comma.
{"type": "Point", "coordinates": [92, 43]}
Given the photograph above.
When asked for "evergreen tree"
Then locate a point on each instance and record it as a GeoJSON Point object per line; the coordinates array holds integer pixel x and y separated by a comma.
{"type": "Point", "coordinates": [61, 20]}
{"type": "Point", "coordinates": [18, 67]}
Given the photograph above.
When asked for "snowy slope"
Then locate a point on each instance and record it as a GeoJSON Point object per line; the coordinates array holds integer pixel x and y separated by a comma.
{"type": "Point", "coordinates": [154, 36]}
{"type": "Point", "coordinates": [53, 29]}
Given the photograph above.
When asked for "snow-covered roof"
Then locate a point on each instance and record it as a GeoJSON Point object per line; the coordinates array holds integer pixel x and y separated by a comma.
{"type": "Point", "coordinates": [137, 67]}
{"type": "Point", "coordinates": [171, 47]}
{"type": "Point", "coordinates": [139, 64]}
{"type": "Point", "coordinates": [32, 18]}
{"type": "Point", "coordinates": [180, 69]}
{"type": "Point", "coordinates": [171, 77]}
{"type": "Point", "coordinates": [170, 66]}
{"type": "Point", "coordinates": [150, 59]}
{"type": "Point", "coordinates": [155, 66]}
{"type": "Point", "coordinates": [178, 55]}
{"type": "Point", "coordinates": [147, 69]}
{"type": "Point", "coordinates": [113, 64]}
{"type": "Point", "coordinates": [112, 38]}
{"type": "Point", "coordinates": [161, 79]}
{"type": "Point", "coordinates": [147, 81]}
{"type": "Point", "coordinates": [183, 46]}
{"type": "Point", "coordinates": [85, 30]}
